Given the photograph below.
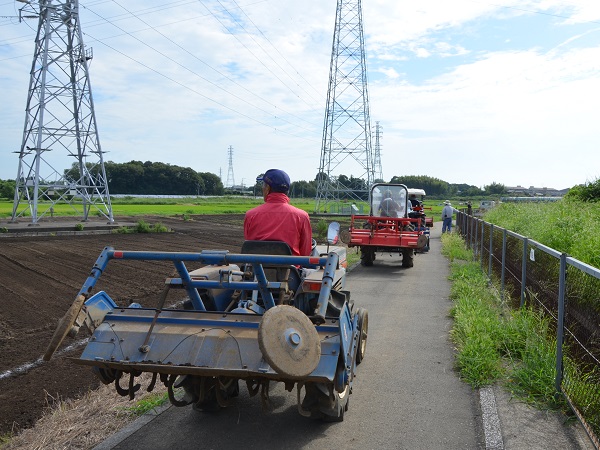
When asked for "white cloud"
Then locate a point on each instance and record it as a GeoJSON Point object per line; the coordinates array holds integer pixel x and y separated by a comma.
{"type": "Point", "coordinates": [504, 114]}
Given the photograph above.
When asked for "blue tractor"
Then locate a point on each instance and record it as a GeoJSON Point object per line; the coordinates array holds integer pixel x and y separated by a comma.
{"type": "Point", "coordinates": [257, 317]}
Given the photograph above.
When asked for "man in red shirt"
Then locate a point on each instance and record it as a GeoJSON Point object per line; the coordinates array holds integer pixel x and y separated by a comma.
{"type": "Point", "coordinates": [276, 219]}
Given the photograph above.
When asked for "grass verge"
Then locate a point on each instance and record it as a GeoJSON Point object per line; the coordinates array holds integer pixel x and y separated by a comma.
{"type": "Point", "coordinates": [495, 343]}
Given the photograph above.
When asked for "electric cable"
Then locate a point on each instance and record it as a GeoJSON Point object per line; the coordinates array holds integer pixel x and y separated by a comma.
{"type": "Point", "coordinates": [278, 52]}
{"type": "Point", "coordinates": [215, 70]}
{"type": "Point", "coordinates": [253, 119]}
{"type": "Point", "coordinates": [251, 52]}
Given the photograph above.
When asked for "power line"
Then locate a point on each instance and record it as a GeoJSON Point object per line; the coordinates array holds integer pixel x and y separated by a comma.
{"type": "Point", "coordinates": [253, 119]}
{"type": "Point", "coordinates": [277, 116]}
{"type": "Point", "coordinates": [251, 52]}
{"type": "Point", "coordinates": [279, 53]}
{"type": "Point", "coordinates": [212, 68]}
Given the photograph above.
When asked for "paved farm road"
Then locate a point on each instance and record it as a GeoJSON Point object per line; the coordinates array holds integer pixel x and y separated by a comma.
{"type": "Point", "coordinates": [406, 395]}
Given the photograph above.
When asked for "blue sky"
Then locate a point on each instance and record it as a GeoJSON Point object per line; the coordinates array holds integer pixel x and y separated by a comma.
{"type": "Point", "coordinates": [466, 91]}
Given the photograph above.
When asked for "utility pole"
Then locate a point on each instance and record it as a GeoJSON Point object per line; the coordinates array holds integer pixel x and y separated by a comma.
{"type": "Point", "coordinates": [230, 177]}
{"type": "Point", "coordinates": [59, 121]}
{"type": "Point", "coordinates": [346, 146]}
{"type": "Point", "coordinates": [377, 157]}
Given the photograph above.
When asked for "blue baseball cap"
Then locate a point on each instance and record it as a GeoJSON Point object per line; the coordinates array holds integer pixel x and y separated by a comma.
{"type": "Point", "coordinates": [277, 179]}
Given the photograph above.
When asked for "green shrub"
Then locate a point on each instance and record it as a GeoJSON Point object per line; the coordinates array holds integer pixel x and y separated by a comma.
{"type": "Point", "coordinates": [79, 227]}
{"type": "Point", "coordinates": [160, 228]}
{"type": "Point", "coordinates": [142, 227]}
{"type": "Point", "coordinates": [321, 229]}
{"type": "Point", "coordinates": [3, 230]}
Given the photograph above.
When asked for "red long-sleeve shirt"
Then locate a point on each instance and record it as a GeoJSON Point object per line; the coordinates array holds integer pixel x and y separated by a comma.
{"type": "Point", "coordinates": [277, 220]}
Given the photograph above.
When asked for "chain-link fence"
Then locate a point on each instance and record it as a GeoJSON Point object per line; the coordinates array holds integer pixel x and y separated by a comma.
{"type": "Point", "coordinates": [565, 289]}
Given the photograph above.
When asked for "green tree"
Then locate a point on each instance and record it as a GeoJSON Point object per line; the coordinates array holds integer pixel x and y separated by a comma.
{"type": "Point", "coordinates": [212, 184]}
{"type": "Point", "coordinates": [303, 189]}
{"type": "Point", "coordinates": [588, 192]}
{"type": "Point", "coordinates": [432, 186]}
{"type": "Point", "coordinates": [157, 178]}
{"type": "Point", "coordinates": [7, 189]}
{"type": "Point", "coordinates": [321, 176]}
{"type": "Point", "coordinates": [495, 189]}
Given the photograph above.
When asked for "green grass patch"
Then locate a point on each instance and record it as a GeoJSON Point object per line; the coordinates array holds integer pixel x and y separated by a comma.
{"type": "Point", "coordinates": [493, 342]}
{"type": "Point", "coordinates": [352, 256]}
{"type": "Point", "coordinates": [146, 404]}
{"type": "Point", "coordinates": [5, 438]}
{"type": "Point", "coordinates": [134, 206]}
{"type": "Point", "coordinates": [143, 227]}
{"type": "Point", "coordinates": [453, 247]}
{"type": "Point", "coordinates": [583, 387]}
{"type": "Point", "coordinates": [567, 226]}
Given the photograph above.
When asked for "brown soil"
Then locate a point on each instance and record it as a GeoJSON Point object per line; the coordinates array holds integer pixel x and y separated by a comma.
{"type": "Point", "coordinates": [39, 279]}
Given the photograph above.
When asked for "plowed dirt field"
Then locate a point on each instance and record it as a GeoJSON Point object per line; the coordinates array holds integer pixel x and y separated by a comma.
{"type": "Point", "coordinates": [39, 279]}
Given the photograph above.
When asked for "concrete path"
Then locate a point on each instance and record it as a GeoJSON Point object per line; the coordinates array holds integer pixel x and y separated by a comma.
{"type": "Point", "coordinates": [406, 395]}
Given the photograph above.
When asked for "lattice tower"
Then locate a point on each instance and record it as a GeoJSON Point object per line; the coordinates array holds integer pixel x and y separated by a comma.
{"type": "Point", "coordinates": [377, 153]}
{"type": "Point", "coordinates": [60, 121]}
{"type": "Point", "coordinates": [230, 177]}
{"type": "Point", "coordinates": [346, 146]}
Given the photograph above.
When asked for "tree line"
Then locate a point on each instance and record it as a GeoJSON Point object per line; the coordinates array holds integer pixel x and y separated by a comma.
{"type": "Point", "coordinates": [156, 178]}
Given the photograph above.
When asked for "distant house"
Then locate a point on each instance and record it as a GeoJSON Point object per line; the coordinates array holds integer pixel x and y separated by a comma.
{"type": "Point", "coordinates": [533, 191]}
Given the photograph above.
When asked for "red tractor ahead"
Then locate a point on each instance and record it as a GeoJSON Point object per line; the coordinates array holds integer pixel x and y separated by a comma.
{"type": "Point", "coordinates": [388, 228]}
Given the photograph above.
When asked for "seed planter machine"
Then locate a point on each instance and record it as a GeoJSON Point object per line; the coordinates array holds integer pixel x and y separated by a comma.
{"type": "Point", "coordinates": [257, 317]}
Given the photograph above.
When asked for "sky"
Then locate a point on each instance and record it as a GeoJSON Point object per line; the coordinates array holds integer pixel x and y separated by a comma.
{"type": "Point", "coordinates": [465, 91]}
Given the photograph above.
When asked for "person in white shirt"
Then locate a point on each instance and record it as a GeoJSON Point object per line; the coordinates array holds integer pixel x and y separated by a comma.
{"type": "Point", "coordinates": [447, 214]}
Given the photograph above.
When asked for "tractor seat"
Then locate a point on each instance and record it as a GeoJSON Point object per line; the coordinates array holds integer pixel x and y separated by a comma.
{"type": "Point", "coordinates": [277, 273]}
{"type": "Point", "coordinates": [266, 248]}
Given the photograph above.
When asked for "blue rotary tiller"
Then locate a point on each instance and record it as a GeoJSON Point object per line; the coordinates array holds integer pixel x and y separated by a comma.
{"type": "Point", "coordinates": [260, 316]}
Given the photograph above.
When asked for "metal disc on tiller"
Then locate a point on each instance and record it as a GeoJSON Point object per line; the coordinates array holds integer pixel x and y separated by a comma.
{"type": "Point", "coordinates": [422, 241]}
{"type": "Point", "coordinates": [289, 341]}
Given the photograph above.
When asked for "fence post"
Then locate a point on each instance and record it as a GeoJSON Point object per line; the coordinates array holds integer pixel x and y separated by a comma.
{"type": "Point", "coordinates": [491, 250]}
{"type": "Point", "coordinates": [471, 222]}
{"type": "Point", "coordinates": [482, 244]}
{"type": "Point", "coordinates": [560, 335]}
{"type": "Point", "coordinates": [524, 271]}
{"type": "Point", "coordinates": [503, 264]}
{"type": "Point", "coordinates": [475, 249]}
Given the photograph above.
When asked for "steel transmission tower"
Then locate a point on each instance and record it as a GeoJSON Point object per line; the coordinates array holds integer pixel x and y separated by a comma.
{"type": "Point", "coordinates": [377, 156]}
{"type": "Point", "coordinates": [60, 121]}
{"type": "Point", "coordinates": [230, 177]}
{"type": "Point", "coordinates": [346, 148]}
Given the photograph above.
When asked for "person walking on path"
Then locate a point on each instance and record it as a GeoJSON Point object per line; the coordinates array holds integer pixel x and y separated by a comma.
{"type": "Point", "coordinates": [447, 214]}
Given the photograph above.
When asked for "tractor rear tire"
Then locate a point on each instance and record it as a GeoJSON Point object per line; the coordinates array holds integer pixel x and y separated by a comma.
{"type": "Point", "coordinates": [363, 330]}
{"type": "Point", "coordinates": [408, 255]}
{"type": "Point", "coordinates": [322, 406]}
{"type": "Point", "coordinates": [367, 256]}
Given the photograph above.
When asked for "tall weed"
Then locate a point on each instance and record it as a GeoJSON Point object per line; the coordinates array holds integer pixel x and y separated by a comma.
{"type": "Point", "coordinates": [568, 226]}
{"type": "Point", "coordinates": [493, 342]}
